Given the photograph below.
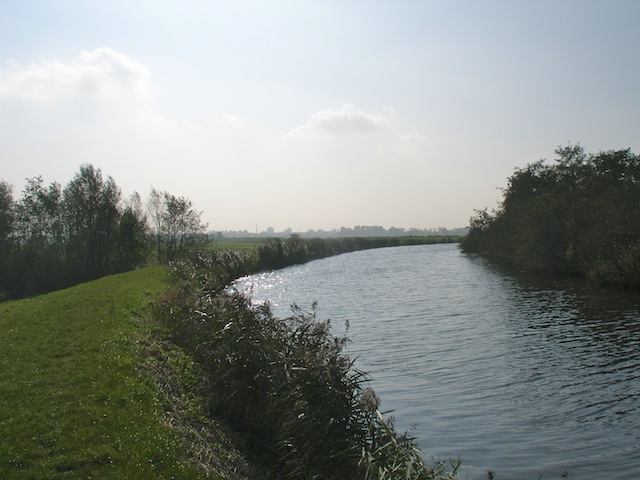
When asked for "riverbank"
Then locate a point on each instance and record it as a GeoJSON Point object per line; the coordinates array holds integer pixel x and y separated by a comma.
{"type": "Point", "coordinates": [92, 386]}
{"type": "Point", "coordinates": [286, 385]}
{"type": "Point", "coordinates": [75, 401]}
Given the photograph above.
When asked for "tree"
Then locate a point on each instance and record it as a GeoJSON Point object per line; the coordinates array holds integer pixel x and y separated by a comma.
{"type": "Point", "coordinates": [39, 263]}
{"type": "Point", "coordinates": [580, 214]}
{"type": "Point", "coordinates": [91, 220]}
{"type": "Point", "coordinates": [53, 237]}
{"type": "Point", "coordinates": [183, 227]}
{"type": "Point", "coordinates": [155, 207]}
{"type": "Point", "coordinates": [177, 224]}
{"type": "Point", "coordinates": [132, 239]}
{"type": "Point", "coordinates": [6, 231]}
{"type": "Point", "coordinates": [478, 225]}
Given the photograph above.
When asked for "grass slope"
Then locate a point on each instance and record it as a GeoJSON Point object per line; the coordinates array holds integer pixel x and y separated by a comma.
{"type": "Point", "coordinates": [73, 402]}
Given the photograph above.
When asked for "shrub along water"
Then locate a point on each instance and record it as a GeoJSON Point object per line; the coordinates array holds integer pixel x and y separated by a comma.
{"type": "Point", "coordinates": [286, 384]}
{"type": "Point", "coordinates": [580, 215]}
{"type": "Point", "coordinates": [276, 253]}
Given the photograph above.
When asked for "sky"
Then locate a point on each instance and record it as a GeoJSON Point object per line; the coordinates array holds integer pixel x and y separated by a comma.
{"type": "Point", "coordinates": [314, 114]}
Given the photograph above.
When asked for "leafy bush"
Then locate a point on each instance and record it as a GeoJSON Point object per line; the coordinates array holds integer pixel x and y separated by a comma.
{"type": "Point", "coordinates": [579, 215]}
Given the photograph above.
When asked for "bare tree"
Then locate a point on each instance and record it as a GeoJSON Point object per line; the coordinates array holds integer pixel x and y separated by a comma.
{"type": "Point", "coordinates": [177, 224]}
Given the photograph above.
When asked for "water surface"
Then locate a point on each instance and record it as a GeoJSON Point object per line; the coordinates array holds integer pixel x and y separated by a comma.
{"type": "Point", "coordinates": [524, 375]}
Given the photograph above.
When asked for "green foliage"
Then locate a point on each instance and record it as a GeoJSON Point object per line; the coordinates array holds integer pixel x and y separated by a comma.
{"type": "Point", "coordinates": [580, 215]}
{"type": "Point", "coordinates": [287, 384]}
{"type": "Point", "coordinates": [52, 238]}
{"type": "Point", "coordinates": [132, 246]}
{"type": "Point", "coordinates": [275, 253]}
{"type": "Point", "coordinates": [397, 457]}
{"type": "Point", "coordinates": [91, 217]}
{"type": "Point", "coordinates": [6, 229]}
{"type": "Point", "coordinates": [61, 237]}
{"type": "Point", "coordinates": [38, 239]}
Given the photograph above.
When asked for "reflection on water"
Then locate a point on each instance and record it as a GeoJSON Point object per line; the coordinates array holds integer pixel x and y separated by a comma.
{"type": "Point", "coordinates": [521, 374]}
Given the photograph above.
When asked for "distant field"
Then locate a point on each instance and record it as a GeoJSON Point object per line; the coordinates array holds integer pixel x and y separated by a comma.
{"type": "Point", "coordinates": [249, 243]}
{"type": "Point", "coordinates": [236, 243]}
{"type": "Point", "coordinates": [73, 403]}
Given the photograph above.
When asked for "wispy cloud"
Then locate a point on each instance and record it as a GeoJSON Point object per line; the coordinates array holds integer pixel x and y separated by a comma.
{"type": "Point", "coordinates": [348, 120]}
{"type": "Point", "coordinates": [412, 137]}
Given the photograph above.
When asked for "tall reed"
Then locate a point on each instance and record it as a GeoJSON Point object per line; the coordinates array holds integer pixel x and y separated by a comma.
{"type": "Point", "coordinates": [286, 384]}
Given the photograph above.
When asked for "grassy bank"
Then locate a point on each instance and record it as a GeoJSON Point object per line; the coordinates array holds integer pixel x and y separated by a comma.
{"type": "Point", "coordinates": [73, 402]}
{"type": "Point", "coordinates": [93, 386]}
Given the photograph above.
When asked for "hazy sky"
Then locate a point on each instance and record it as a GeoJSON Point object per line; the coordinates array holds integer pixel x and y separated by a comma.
{"type": "Point", "coordinates": [314, 114]}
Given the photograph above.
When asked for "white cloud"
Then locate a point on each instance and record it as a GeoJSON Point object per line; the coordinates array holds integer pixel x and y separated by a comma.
{"type": "Point", "coordinates": [103, 74]}
{"type": "Point", "coordinates": [98, 109]}
{"type": "Point", "coordinates": [232, 120]}
{"type": "Point", "coordinates": [346, 121]}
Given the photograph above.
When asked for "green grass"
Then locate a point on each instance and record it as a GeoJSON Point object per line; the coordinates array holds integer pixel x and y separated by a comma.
{"type": "Point", "coordinates": [236, 243]}
{"type": "Point", "coordinates": [73, 400]}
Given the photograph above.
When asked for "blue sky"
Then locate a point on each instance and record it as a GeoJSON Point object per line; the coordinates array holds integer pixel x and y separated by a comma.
{"type": "Point", "coordinates": [314, 114]}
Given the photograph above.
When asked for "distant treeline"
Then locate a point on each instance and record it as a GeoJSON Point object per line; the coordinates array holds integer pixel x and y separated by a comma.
{"type": "Point", "coordinates": [580, 215]}
{"type": "Point", "coordinates": [345, 232]}
{"type": "Point", "coordinates": [54, 237]}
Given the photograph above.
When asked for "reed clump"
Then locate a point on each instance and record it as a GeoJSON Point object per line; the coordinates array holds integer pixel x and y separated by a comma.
{"type": "Point", "coordinates": [287, 385]}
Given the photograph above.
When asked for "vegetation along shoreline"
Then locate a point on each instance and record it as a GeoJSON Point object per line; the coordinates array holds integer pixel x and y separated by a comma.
{"type": "Point", "coordinates": [577, 216]}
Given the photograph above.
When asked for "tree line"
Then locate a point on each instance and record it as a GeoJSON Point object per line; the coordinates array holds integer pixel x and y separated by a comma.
{"type": "Point", "coordinates": [578, 215]}
{"type": "Point", "coordinates": [54, 237]}
{"type": "Point", "coordinates": [347, 232]}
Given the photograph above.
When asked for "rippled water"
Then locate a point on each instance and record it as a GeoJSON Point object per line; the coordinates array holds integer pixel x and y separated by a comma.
{"type": "Point", "coordinates": [522, 375]}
